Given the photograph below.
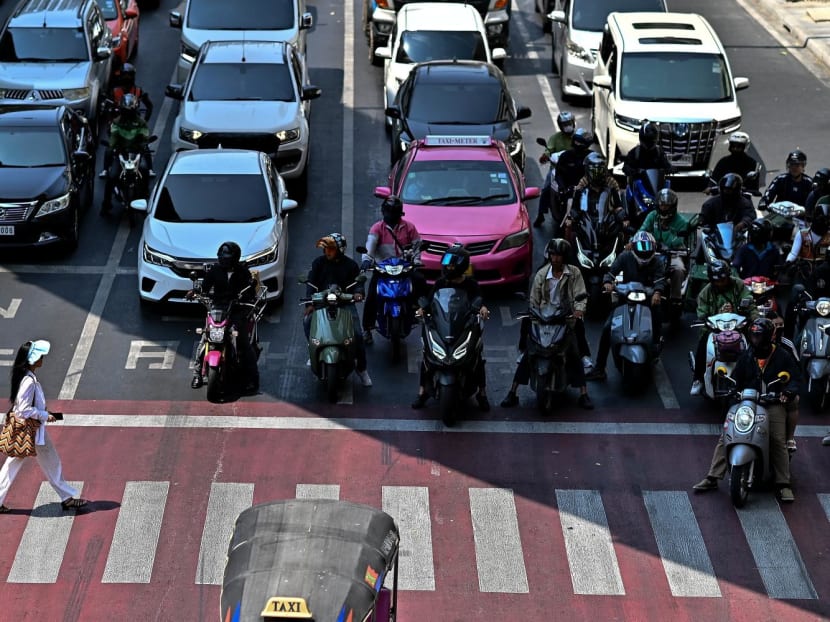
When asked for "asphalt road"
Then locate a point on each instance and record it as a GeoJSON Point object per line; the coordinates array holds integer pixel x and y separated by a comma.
{"type": "Point", "coordinates": [121, 373]}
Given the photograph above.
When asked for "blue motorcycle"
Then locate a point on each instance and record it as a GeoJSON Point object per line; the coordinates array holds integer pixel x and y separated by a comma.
{"type": "Point", "coordinates": [641, 194]}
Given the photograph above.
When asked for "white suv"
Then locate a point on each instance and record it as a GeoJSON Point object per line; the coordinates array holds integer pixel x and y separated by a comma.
{"type": "Point", "coordinates": [669, 68]}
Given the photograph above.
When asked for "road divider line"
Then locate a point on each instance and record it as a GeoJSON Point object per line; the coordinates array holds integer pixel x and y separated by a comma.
{"type": "Point", "coordinates": [347, 183]}
{"type": "Point", "coordinates": [663, 384]}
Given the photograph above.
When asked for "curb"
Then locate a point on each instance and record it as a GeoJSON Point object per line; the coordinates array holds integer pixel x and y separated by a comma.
{"type": "Point", "coordinates": [790, 19]}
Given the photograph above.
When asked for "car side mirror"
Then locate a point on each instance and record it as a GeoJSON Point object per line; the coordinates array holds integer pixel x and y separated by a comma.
{"type": "Point", "coordinates": [139, 205]}
{"type": "Point", "coordinates": [498, 54]}
{"type": "Point", "coordinates": [174, 91]}
{"type": "Point", "coordinates": [311, 92]}
{"type": "Point", "coordinates": [287, 206]}
{"type": "Point", "coordinates": [523, 112]}
{"type": "Point", "coordinates": [603, 82]}
{"type": "Point", "coordinates": [131, 13]}
{"type": "Point", "coordinates": [175, 19]}
{"type": "Point", "coordinates": [393, 112]}
{"type": "Point", "coordinates": [558, 16]}
{"type": "Point", "coordinates": [740, 83]}
{"type": "Point", "coordinates": [383, 192]}
{"type": "Point", "coordinates": [531, 192]}
{"type": "Point", "coordinates": [306, 21]}
{"type": "Point", "coordinates": [384, 52]}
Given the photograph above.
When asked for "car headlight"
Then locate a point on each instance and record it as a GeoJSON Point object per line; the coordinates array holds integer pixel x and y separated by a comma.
{"type": "Point", "coordinates": [574, 49]}
{"type": "Point", "coordinates": [189, 53]}
{"type": "Point", "coordinates": [269, 255]}
{"type": "Point", "coordinates": [627, 123]}
{"type": "Point", "coordinates": [515, 240]}
{"type": "Point", "coordinates": [437, 350]}
{"type": "Point", "coordinates": [54, 205]}
{"type": "Point", "coordinates": [744, 418]}
{"type": "Point", "coordinates": [823, 307]}
{"type": "Point", "coordinates": [287, 136]}
{"type": "Point", "coordinates": [461, 351]}
{"type": "Point", "coordinates": [729, 125]}
{"type": "Point", "coordinates": [191, 136]}
{"type": "Point", "coordinates": [75, 94]}
{"type": "Point", "coordinates": [156, 258]}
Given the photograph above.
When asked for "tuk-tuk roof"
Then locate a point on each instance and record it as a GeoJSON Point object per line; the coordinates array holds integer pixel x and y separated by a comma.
{"type": "Point", "coordinates": [333, 554]}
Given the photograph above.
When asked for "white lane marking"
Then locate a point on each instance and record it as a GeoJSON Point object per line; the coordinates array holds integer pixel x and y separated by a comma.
{"type": "Point", "coordinates": [164, 111]}
{"type": "Point", "coordinates": [134, 543]}
{"type": "Point", "coordinates": [11, 311]}
{"type": "Point", "coordinates": [530, 45]}
{"type": "Point", "coordinates": [7, 352]}
{"type": "Point", "coordinates": [318, 491]}
{"type": "Point", "coordinates": [63, 269]}
{"type": "Point", "coordinates": [40, 553]}
{"type": "Point", "coordinates": [825, 503]}
{"type": "Point", "coordinates": [225, 503]}
{"type": "Point", "coordinates": [663, 384]}
{"type": "Point", "coordinates": [682, 549]}
{"type": "Point", "coordinates": [588, 543]}
{"type": "Point", "coordinates": [347, 188]}
{"type": "Point", "coordinates": [776, 556]}
{"type": "Point", "coordinates": [409, 506]}
{"type": "Point", "coordinates": [499, 556]}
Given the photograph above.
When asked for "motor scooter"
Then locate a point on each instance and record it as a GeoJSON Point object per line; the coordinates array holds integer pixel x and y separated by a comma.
{"type": "Point", "coordinates": [712, 243]}
{"type": "Point", "coordinates": [552, 197]}
{"type": "Point", "coordinates": [631, 335]}
{"type": "Point", "coordinates": [132, 182]}
{"type": "Point", "coordinates": [814, 348]}
{"type": "Point", "coordinates": [546, 350]}
{"type": "Point", "coordinates": [724, 345]}
{"type": "Point", "coordinates": [641, 193]}
{"type": "Point", "coordinates": [763, 294]}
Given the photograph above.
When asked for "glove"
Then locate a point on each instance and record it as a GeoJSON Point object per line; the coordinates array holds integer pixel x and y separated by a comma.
{"type": "Point", "coordinates": [365, 264]}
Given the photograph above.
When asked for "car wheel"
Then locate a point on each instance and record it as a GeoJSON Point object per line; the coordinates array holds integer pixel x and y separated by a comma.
{"type": "Point", "coordinates": [553, 68]}
{"type": "Point", "coordinates": [547, 25]}
{"type": "Point", "coordinates": [73, 232]}
{"type": "Point", "coordinates": [373, 60]}
{"type": "Point", "coordinates": [562, 80]}
{"type": "Point", "coordinates": [299, 186]}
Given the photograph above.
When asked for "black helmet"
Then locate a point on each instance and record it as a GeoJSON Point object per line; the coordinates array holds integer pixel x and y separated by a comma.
{"type": "Point", "coordinates": [819, 226]}
{"type": "Point", "coordinates": [565, 122]}
{"type": "Point", "coordinates": [596, 167]}
{"type": "Point", "coordinates": [392, 210]}
{"type": "Point", "coordinates": [557, 246]}
{"type": "Point", "coordinates": [582, 138]}
{"type": "Point", "coordinates": [666, 203]}
{"type": "Point", "coordinates": [648, 135]}
{"type": "Point", "coordinates": [644, 246]}
{"type": "Point", "coordinates": [128, 104]}
{"type": "Point", "coordinates": [796, 157]}
{"type": "Point", "coordinates": [719, 270]}
{"type": "Point", "coordinates": [738, 141]}
{"type": "Point", "coordinates": [730, 186]}
{"type": "Point", "coordinates": [455, 261]}
{"type": "Point", "coordinates": [761, 332]}
{"type": "Point", "coordinates": [760, 232]}
{"type": "Point", "coordinates": [333, 240]}
{"type": "Point", "coordinates": [128, 73]}
{"type": "Point", "coordinates": [821, 178]}
{"type": "Point", "coordinates": [228, 255]}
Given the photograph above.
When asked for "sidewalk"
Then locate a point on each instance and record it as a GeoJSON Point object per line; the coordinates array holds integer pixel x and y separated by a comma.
{"type": "Point", "coordinates": [803, 23]}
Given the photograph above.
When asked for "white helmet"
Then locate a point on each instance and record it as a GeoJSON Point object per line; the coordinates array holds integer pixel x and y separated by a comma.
{"type": "Point", "coordinates": [739, 139]}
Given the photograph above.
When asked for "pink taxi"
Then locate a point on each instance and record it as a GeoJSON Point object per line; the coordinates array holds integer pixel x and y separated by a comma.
{"type": "Point", "coordinates": [467, 189]}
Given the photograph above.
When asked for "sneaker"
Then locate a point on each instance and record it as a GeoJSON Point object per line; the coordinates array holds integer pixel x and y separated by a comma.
{"type": "Point", "coordinates": [697, 388]}
{"type": "Point", "coordinates": [510, 400]}
{"type": "Point", "coordinates": [707, 483]}
{"type": "Point", "coordinates": [791, 447]}
{"type": "Point", "coordinates": [785, 494]}
{"type": "Point", "coordinates": [483, 402]}
{"type": "Point", "coordinates": [420, 401]}
{"type": "Point", "coordinates": [596, 374]}
{"type": "Point", "coordinates": [587, 363]}
{"type": "Point", "coordinates": [365, 380]}
{"type": "Point", "coordinates": [367, 337]}
{"type": "Point", "coordinates": [102, 174]}
{"type": "Point", "coordinates": [196, 382]}
{"type": "Point", "coordinates": [585, 402]}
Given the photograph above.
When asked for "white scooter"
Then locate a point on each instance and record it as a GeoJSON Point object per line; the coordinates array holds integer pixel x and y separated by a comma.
{"type": "Point", "coordinates": [724, 345]}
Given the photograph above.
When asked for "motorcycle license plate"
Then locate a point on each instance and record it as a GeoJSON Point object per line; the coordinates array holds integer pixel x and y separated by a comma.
{"type": "Point", "coordinates": [682, 159]}
{"type": "Point", "coordinates": [6, 229]}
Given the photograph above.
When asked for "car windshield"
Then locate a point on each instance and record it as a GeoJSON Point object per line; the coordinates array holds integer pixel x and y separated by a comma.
{"type": "Point", "coordinates": [674, 77]}
{"type": "Point", "coordinates": [31, 147]}
{"type": "Point", "coordinates": [109, 9]}
{"type": "Point", "coordinates": [419, 46]}
{"type": "Point", "coordinates": [213, 198]}
{"type": "Point", "coordinates": [592, 14]}
{"type": "Point", "coordinates": [43, 45]}
{"type": "Point", "coordinates": [241, 15]}
{"type": "Point", "coordinates": [460, 183]}
{"type": "Point", "coordinates": [457, 103]}
{"type": "Point", "coordinates": [242, 81]}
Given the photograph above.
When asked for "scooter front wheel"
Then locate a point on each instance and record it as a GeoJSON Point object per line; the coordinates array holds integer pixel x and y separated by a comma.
{"type": "Point", "coordinates": [394, 326]}
{"type": "Point", "coordinates": [817, 393]}
{"type": "Point", "coordinates": [447, 402]}
{"type": "Point", "coordinates": [214, 384]}
{"type": "Point", "coordinates": [739, 485]}
{"type": "Point", "coordinates": [330, 373]}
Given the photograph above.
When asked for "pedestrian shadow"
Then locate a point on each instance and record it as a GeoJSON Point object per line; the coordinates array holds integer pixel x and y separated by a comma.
{"type": "Point", "coordinates": [54, 510]}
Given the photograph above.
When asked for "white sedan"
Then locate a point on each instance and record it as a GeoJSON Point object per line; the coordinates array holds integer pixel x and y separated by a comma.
{"type": "Point", "coordinates": [203, 199]}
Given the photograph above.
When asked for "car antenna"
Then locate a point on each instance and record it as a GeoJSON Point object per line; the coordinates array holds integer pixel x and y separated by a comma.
{"type": "Point", "coordinates": [243, 46]}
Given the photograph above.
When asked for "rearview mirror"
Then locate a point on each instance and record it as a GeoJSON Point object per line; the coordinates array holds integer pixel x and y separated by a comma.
{"type": "Point", "coordinates": [542, 142]}
{"type": "Point", "coordinates": [175, 19]}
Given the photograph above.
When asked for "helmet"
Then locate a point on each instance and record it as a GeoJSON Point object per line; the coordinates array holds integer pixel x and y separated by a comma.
{"type": "Point", "coordinates": [565, 122]}
{"type": "Point", "coordinates": [582, 138]}
{"type": "Point", "coordinates": [333, 240]}
{"type": "Point", "coordinates": [129, 102]}
{"type": "Point", "coordinates": [392, 210]}
{"type": "Point", "coordinates": [557, 246]}
{"type": "Point", "coordinates": [644, 246]}
{"type": "Point", "coordinates": [738, 141]}
{"type": "Point", "coordinates": [455, 261]}
{"type": "Point", "coordinates": [667, 198]}
{"type": "Point", "coordinates": [796, 157]}
{"type": "Point", "coordinates": [128, 73]}
{"type": "Point", "coordinates": [821, 178]}
{"type": "Point", "coordinates": [760, 232]}
{"type": "Point", "coordinates": [648, 135]}
{"type": "Point", "coordinates": [228, 255]}
{"type": "Point", "coordinates": [719, 270]}
{"type": "Point", "coordinates": [596, 167]}
{"type": "Point", "coordinates": [819, 226]}
{"type": "Point", "coordinates": [730, 186]}
{"type": "Point", "coordinates": [761, 332]}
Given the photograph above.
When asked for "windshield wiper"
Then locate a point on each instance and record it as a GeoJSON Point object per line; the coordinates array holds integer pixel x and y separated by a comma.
{"type": "Point", "coordinates": [47, 165]}
{"type": "Point", "coordinates": [439, 200]}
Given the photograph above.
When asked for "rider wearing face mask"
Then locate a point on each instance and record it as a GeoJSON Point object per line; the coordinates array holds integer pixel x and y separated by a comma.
{"type": "Point", "coordinates": [558, 142]}
{"type": "Point", "coordinates": [821, 188]}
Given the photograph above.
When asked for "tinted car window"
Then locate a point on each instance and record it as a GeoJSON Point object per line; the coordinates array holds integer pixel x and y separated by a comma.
{"type": "Point", "coordinates": [43, 44]}
{"type": "Point", "coordinates": [109, 9]}
{"type": "Point", "coordinates": [449, 103]}
{"type": "Point", "coordinates": [31, 147]}
{"type": "Point", "coordinates": [419, 46]}
{"type": "Point", "coordinates": [427, 180]}
{"type": "Point", "coordinates": [241, 14]}
{"type": "Point", "coordinates": [213, 198]}
{"type": "Point", "coordinates": [592, 14]}
{"type": "Point", "coordinates": [669, 77]}
{"type": "Point", "coordinates": [237, 81]}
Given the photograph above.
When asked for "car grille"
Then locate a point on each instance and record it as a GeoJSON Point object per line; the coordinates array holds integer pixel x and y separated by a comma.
{"type": "Point", "coordinates": [16, 212]}
{"type": "Point", "coordinates": [38, 95]}
{"type": "Point", "coordinates": [476, 248]}
{"type": "Point", "coordinates": [16, 93]}
{"type": "Point", "coordinates": [50, 94]}
{"type": "Point", "coordinates": [695, 139]}
{"type": "Point", "coordinates": [258, 142]}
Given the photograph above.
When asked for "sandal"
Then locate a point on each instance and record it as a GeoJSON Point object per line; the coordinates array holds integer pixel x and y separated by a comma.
{"type": "Point", "coordinates": [4, 509]}
{"type": "Point", "coordinates": [73, 504]}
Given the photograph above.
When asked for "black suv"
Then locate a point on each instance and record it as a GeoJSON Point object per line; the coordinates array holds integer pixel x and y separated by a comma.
{"type": "Point", "coordinates": [456, 98]}
{"type": "Point", "coordinates": [47, 165]}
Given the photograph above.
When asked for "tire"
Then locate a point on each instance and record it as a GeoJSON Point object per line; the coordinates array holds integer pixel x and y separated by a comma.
{"type": "Point", "coordinates": [214, 384]}
{"type": "Point", "coordinates": [73, 233]}
{"type": "Point", "coordinates": [330, 371]}
{"type": "Point", "coordinates": [565, 98]}
{"type": "Point", "coordinates": [553, 67]}
{"type": "Point", "coordinates": [817, 393]}
{"type": "Point", "coordinates": [634, 376]}
{"type": "Point", "coordinates": [543, 397]}
{"type": "Point", "coordinates": [547, 26]}
{"type": "Point", "coordinates": [738, 489]}
{"type": "Point", "coordinates": [447, 401]}
{"type": "Point", "coordinates": [373, 60]}
{"type": "Point", "coordinates": [393, 325]}
{"type": "Point", "coordinates": [299, 186]}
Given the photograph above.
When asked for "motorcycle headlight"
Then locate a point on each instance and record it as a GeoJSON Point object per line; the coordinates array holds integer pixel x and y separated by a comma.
{"type": "Point", "coordinates": [515, 240]}
{"type": "Point", "coordinates": [156, 258]}
{"type": "Point", "coordinates": [823, 307]}
{"type": "Point", "coordinates": [216, 334]}
{"type": "Point", "coordinates": [76, 94]}
{"type": "Point", "coordinates": [461, 351]}
{"type": "Point", "coordinates": [189, 53]}
{"type": "Point", "coordinates": [627, 123]}
{"type": "Point", "coordinates": [269, 255]}
{"type": "Point", "coordinates": [637, 296]}
{"type": "Point", "coordinates": [393, 270]}
{"type": "Point", "coordinates": [191, 136]}
{"type": "Point", "coordinates": [53, 205]}
{"type": "Point", "coordinates": [287, 136]}
{"type": "Point", "coordinates": [577, 51]}
{"type": "Point", "coordinates": [727, 324]}
{"type": "Point", "coordinates": [744, 418]}
{"type": "Point", "coordinates": [437, 350]}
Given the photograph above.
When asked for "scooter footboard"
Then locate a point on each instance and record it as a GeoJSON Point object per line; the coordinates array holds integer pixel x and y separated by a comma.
{"type": "Point", "coordinates": [634, 353]}
{"type": "Point", "coordinates": [740, 454]}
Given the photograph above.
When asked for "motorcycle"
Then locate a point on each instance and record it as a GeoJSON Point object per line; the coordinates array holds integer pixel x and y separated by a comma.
{"type": "Point", "coordinates": [216, 356]}
{"type": "Point", "coordinates": [331, 348]}
{"type": "Point", "coordinates": [132, 181]}
{"type": "Point", "coordinates": [787, 218]}
{"type": "Point", "coordinates": [641, 193]}
{"type": "Point", "coordinates": [452, 335]}
{"type": "Point", "coordinates": [554, 196]}
{"type": "Point", "coordinates": [712, 243]}
{"type": "Point", "coordinates": [673, 309]}
{"type": "Point", "coordinates": [763, 293]}
{"type": "Point", "coordinates": [746, 438]}
{"type": "Point", "coordinates": [724, 345]}
{"type": "Point", "coordinates": [546, 349]}
{"type": "Point", "coordinates": [631, 335]}
{"type": "Point", "coordinates": [814, 349]}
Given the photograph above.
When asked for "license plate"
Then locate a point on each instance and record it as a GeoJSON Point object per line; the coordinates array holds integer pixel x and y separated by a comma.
{"type": "Point", "coordinates": [682, 159]}
{"type": "Point", "coordinates": [6, 229]}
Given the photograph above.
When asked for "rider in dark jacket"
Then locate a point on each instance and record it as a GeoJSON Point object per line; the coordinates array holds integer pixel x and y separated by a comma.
{"type": "Point", "coordinates": [569, 170]}
{"type": "Point", "coordinates": [730, 205]}
{"type": "Point", "coordinates": [646, 155]}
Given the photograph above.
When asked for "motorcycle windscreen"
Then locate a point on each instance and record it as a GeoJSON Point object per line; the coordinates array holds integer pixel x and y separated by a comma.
{"type": "Point", "coordinates": [450, 308]}
{"type": "Point", "coordinates": [726, 231]}
{"type": "Point", "coordinates": [654, 178]}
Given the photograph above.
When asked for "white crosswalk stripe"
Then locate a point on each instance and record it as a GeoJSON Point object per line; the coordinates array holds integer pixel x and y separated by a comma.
{"type": "Point", "coordinates": [409, 506]}
{"type": "Point", "coordinates": [318, 491]}
{"type": "Point", "coordinates": [825, 503]}
{"type": "Point", "coordinates": [499, 556]}
{"type": "Point", "coordinates": [225, 503]}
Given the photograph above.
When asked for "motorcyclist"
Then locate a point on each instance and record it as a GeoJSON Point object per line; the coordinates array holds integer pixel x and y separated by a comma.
{"type": "Point", "coordinates": [560, 141]}
{"type": "Point", "coordinates": [669, 230]}
{"type": "Point", "coordinates": [821, 188]}
{"type": "Point", "coordinates": [569, 170]}
{"type": "Point", "coordinates": [127, 132]}
{"type": "Point", "coordinates": [638, 264]}
{"type": "Point", "coordinates": [793, 185]}
{"type": "Point", "coordinates": [723, 294]}
{"type": "Point", "coordinates": [730, 205]}
{"type": "Point", "coordinates": [738, 161]}
{"type": "Point", "coordinates": [812, 243]}
{"type": "Point", "coordinates": [455, 264]}
{"type": "Point", "coordinates": [759, 257]}
{"type": "Point", "coordinates": [756, 368]}
{"type": "Point", "coordinates": [229, 280]}
{"type": "Point", "coordinates": [816, 285]}
{"type": "Point", "coordinates": [126, 84]}
{"type": "Point", "coordinates": [387, 238]}
{"type": "Point", "coordinates": [334, 267]}
{"type": "Point", "coordinates": [596, 180]}
{"type": "Point", "coordinates": [647, 154]}
{"type": "Point", "coordinates": [559, 285]}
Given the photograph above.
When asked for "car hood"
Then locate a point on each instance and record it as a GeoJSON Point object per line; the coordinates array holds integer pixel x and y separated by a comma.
{"type": "Point", "coordinates": [200, 240]}
{"type": "Point", "coordinates": [679, 112]}
{"type": "Point", "coordinates": [247, 116]}
{"type": "Point", "coordinates": [502, 130]}
{"type": "Point", "coordinates": [25, 184]}
{"type": "Point", "coordinates": [465, 222]}
{"type": "Point", "coordinates": [586, 39]}
{"type": "Point", "coordinates": [44, 75]}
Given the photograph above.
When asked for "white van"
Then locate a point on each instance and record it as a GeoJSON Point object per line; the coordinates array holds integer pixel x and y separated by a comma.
{"type": "Point", "coordinates": [669, 68]}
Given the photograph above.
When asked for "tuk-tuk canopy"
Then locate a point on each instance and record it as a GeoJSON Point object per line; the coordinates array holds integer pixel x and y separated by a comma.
{"type": "Point", "coordinates": [307, 559]}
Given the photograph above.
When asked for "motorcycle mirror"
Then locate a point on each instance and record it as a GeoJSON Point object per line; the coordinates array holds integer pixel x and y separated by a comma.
{"type": "Point", "coordinates": [104, 142]}
{"type": "Point", "coordinates": [302, 280]}
{"type": "Point", "coordinates": [542, 142]}
{"type": "Point", "coordinates": [193, 275]}
{"type": "Point", "coordinates": [744, 304]}
{"type": "Point", "coordinates": [693, 221]}
{"type": "Point", "coordinates": [361, 249]}
{"type": "Point", "coordinates": [152, 139]}
{"type": "Point", "coordinates": [361, 278]}
{"type": "Point", "coordinates": [783, 376]}
{"type": "Point", "coordinates": [477, 303]}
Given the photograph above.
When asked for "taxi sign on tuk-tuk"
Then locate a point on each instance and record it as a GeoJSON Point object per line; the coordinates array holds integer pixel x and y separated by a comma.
{"type": "Point", "coordinates": [432, 140]}
{"type": "Point", "coordinates": [286, 607]}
